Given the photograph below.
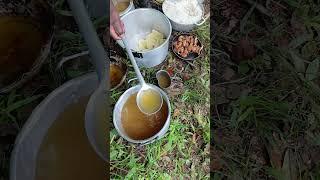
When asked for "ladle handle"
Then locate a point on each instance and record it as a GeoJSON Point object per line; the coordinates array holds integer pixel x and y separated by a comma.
{"type": "Point", "coordinates": [98, 54]}
{"type": "Point", "coordinates": [133, 61]}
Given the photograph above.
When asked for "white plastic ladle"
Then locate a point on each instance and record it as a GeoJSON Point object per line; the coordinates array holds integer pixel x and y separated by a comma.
{"type": "Point", "coordinates": [144, 86]}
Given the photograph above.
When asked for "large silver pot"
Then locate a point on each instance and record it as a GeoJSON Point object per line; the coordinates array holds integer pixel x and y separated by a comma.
{"type": "Point", "coordinates": [140, 22]}
{"type": "Point", "coordinates": [26, 148]}
{"type": "Point", "coordinates": [187, 27]}
{"type": "Point", "coordinates": [117, 116]}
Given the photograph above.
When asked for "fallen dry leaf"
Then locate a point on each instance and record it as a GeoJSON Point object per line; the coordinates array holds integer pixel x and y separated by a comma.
{"type": "Point", "coordinates": [219, 95]}
{"type": "Point", "coordinates": [233, 91]}
{"type": "Point", "coordinates": [228, 74]}
{"type": "Point", "coordinates": [289, 165]}
{"type": "Point", "coordinates": [194, 136]}
{"type": "Point", "coordinates": [231, 25]}
{"type": "Point", "coordinates": [176, 113]}
{"type": "Point", "coordinates": [257, 151]}
{"type": "Point", "coordinates": [216, 162]}
{"type": "Point", "coordinates": [185, 76]}
{"type": "Point", "coordinates": [315, 155]}
{"type": "Point", "coordinates": [176, 88]}
{"type": "Point", "coordinates": [243, 50]}
{"type": "Point", "coordinates": [282, 41]}
{"type": "Point", "coordinates": [276, 158]}
{"type": "Point", "coordinates": [276, 148]}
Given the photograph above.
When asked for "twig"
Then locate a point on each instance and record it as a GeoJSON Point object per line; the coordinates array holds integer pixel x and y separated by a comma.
{"type": "Point", "coordinates": [217, 113]}
{"type": "Point", "coordinates": [231, 82]}
{"type": "Point", "coordinates": [279, 4]}
{"type": "Point", "coordinates": [221, 52]}
{"type": "Point", "coordinates": [260, 8]}
{"type": "Point", "coordinates": [285, 96]}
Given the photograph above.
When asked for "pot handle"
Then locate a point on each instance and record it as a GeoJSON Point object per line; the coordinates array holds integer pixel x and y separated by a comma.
{"type": "Point", "coordinates": [130, 80]}
{"type": "Point", "coordinates": [59, 68]}
{"type": "Point", "coordinates": [204, 19]}
{"type": "Point", "coordinates": [69, 58]}
{"type": "Point", "coordinates": [137, 54]}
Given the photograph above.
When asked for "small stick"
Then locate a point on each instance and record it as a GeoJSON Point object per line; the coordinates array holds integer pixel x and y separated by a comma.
{"type": "Point", "coordinates": [232, 82]}
{"type": "Point", "coordinates": [261, 8]}
{"type": "Point", "coordinates": [279, 4]}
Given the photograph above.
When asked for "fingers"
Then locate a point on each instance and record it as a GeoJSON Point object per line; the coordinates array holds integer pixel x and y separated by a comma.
{"type": "Point", "coordinates": [123, 29]}
{"type": "Point", "coordinates": [117, 30]}
{"type": "Point", "coordinates": [116, 26]}
{"type": "Point", "coordinates": [114, 34]}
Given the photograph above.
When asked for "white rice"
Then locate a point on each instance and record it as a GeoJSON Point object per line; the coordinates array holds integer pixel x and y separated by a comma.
{"type": "Point", "coordinates": [183, 11]}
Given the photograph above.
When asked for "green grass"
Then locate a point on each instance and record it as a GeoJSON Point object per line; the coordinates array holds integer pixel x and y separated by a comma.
{"type": "Point", "coordinates": [12, 118]}
{"type": "Point", "coordinates": [264, 132]}
{"type": "Point", "coordinates": [183, 152]}
{"type": "Point", "coordinates": [11, 104]}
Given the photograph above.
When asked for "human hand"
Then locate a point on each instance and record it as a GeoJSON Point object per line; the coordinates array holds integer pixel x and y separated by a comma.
{"type": "Point", "coordinates": [116, 25]}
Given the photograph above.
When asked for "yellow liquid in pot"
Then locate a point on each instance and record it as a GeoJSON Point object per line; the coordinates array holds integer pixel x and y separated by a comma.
{"type": "Point", "coordinates": [150, 101]}
{"type": "Point", "coordinates": [138, 125]}
{"type": "Point", "coordinates": [116, 75]}
{"type": "Point", "coordinates": [121, 6]}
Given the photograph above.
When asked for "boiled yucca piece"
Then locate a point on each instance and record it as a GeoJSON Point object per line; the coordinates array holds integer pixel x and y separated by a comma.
{"type": "Point", "coordinates": [152, 40]}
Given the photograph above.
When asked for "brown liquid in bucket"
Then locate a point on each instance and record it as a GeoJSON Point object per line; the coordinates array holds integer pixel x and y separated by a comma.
{"type": "Point", "coordinates": [20, 44]}
{"type": "Point", "coordinates": [116, 75]}
{"type": "Point", "coordinates": [139, 126]}
{"type": "Point", "coordinates": [121, 6]}
{"type": "Point", "coordinates": [66, 152]}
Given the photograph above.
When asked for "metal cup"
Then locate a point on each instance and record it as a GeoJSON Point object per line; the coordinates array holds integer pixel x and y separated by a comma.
{"type": "Point", "coordinates": [163, 74]}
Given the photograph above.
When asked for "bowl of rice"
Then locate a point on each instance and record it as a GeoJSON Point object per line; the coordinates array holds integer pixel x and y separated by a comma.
{"type": "Point", "coordinates": [184, 15]}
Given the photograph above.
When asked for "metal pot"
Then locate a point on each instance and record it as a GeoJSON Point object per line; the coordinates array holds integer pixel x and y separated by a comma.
{"type": "Point", "coordinates": [163, 74]}
{"type": "Point", "coordinates": [119, 62]}
{"type": "Point", "coordinates": [130, 8]}
{"type": "Point", "coordinates": [140, 22]}
{"type": "Point", "coordinates": [117, 116]}
{"type": "Point", "coordinates": [42, 16]}
{"type": "Point", "coordinates": [187, 27]}
{"type": "Point", "coordinates": [27, 144]}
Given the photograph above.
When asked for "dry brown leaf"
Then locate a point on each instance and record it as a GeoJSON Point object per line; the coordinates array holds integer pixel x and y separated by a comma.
{"type": "Point", "coordinates": [216, 162]}
{"type": "Point", "coordinates": [228, 74]}
{"type": "Point", "coordinates": [243, 50]}
{"type": "Point", "coordinates": [176, 113]}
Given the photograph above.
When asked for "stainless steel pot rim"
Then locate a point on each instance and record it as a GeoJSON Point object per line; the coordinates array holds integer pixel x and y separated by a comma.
{"type": "Point", "coordinates": [152, 138]}
{"type": "Point", "coordinates": [128, 8]}
{"type": "Point", "coordinates": [195, 23]}
{"type": "Point", "coordinates": [119, 60]}
{"type": "Point", "coordinates": [167, 19]}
